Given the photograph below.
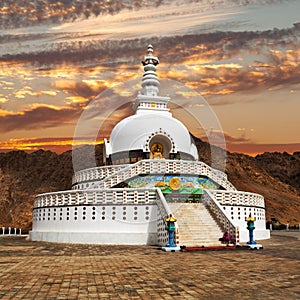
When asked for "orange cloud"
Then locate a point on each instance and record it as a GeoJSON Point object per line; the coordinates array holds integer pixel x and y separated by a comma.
{"type": "Point", "coordinates": [59, 145]}
{"type": "Point", "coordinates": [217, 137]}
{"type": "Point", "coordinates": [220, 92]}
{"type": "Point", "coordinates": [4, 113]}
{"type": "Point", "coordinates": [3, 99]}
{"type": "Point", "coordinates": [75, 99]}
{"type": "Point", "coordinates": [86, 89]}
{"type": "Point", "coordinates": [217, 66]}
{"type": "Point", "coordinates": [27, 91]}
{"type": "Point", "coordinates": [39, 115]}
{"type": "Point", "coordinates": [244, 145]}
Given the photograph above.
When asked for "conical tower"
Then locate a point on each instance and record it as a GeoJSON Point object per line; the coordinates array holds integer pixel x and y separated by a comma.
{"type": "Point", "coordinates": [150, 82]}
{"type": "Point", "coordinates": [148, 98]}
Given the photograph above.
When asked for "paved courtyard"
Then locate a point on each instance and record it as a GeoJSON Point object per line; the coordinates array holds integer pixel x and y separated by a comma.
{"type": "Point", "coordinates": [38, 270]}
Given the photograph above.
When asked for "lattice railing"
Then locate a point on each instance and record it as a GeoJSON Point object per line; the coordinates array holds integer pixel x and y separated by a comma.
{"type": "Point", "coordinates": [237, 198]}
{"type": "Point", "coordinates": [110, 196]}
{"type": "Point", "coordinates": [217, 213]}
{"type": "Point", "coordinates": [95, 173]}
{"type": "Point", "coordinates": [165, 167]}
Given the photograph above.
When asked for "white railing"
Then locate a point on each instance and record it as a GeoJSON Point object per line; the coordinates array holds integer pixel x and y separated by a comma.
{"type": "Point", "coordinates": [163, 204]}
{"type": "Point", "coordinates": [95, 173]}
{"type": "Point", "coordinates": [237, 198]}
{"type": "Point", "coordinates": [11, 231]}
{"type": "Point", "coordinates": [110, 196]}
{"type": "Point", "coordinates": [165, 167]}
{"type": "Point", "coordinates": [217, 213]}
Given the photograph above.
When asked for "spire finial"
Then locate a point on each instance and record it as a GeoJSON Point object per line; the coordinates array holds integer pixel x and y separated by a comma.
{"type": "Point", "coordinates": [149, 58]}
{"type": "Point", "coordinates": [150, 49]}
{"type": "Point", "coordinates": [150, 81]}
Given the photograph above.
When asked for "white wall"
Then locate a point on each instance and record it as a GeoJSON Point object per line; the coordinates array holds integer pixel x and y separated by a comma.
{"type": "Point", "coordinates": [237, 215]}
{"type": "Point", "coordinates": [101, 224]}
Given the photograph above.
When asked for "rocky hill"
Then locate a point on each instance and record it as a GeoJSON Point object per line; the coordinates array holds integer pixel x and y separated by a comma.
{"type": "Point", "coordinates": [284, 166]}
{"type": "Point", "coordinates": [23, 175]}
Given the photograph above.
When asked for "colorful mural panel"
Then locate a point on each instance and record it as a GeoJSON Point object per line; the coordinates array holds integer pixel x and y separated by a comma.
{"type": "Point", "coordinates": [191, 185]}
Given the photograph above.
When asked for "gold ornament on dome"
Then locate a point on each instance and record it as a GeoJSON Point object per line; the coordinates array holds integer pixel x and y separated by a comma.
{"type": "Point", "coordinates": [175, 183]}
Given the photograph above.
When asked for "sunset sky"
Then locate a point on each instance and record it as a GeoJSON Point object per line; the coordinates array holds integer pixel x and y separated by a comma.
{"type": "Point", "coordinates": [59, 58]}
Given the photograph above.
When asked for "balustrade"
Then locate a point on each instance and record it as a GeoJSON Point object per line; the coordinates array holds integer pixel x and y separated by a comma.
{"type": "Point", "coordinates": [8, 231]}
{"type": "Point", "coordinates": [87, 197]}
{"type": "Point", "coordinates": [162, 166]}
{"type": "Point", "coordinates": [96, 173]}
{"type": "Point", "coordinates": [216, 211]}
{"type": "Point", "coordinates": [237, 198]}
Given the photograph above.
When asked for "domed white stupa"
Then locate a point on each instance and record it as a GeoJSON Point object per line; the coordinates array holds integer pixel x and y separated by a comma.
{"type": "Point", "coordinates": [151, 171]}
{"type": "Point", "coordinates": [151, 132]}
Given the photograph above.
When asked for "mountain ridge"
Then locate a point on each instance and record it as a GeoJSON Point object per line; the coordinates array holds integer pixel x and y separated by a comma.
{"type": "Point", "coordinates": [24, 175]}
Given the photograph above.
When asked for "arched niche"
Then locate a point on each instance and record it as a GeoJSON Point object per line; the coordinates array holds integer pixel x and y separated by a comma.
{"type": "Point", "coordinates": [160, 147]}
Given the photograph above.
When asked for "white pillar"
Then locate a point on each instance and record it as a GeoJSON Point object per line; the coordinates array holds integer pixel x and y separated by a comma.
{"type": "Point", "coordinates": [9, 230]}
{"type": "Point", "coordinates": [287, 226]}
{"type": "Point", "coordinates": [20, 231]}
{"type": "Point", "coordinates": [270, 226]}
{"type": "Point", "coordinates": [3, 230]}
{"type": "Point", "coordinates": [15, 231]}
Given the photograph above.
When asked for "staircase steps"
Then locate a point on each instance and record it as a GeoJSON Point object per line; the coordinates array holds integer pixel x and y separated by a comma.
{"type": "Point", "coordinates": [196, 226]}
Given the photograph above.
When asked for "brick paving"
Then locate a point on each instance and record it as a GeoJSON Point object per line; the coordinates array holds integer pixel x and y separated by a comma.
{"type": "Point", "coordinates": [39, 270]}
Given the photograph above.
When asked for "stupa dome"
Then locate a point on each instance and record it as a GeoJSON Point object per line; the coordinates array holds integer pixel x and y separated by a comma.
{"type": "Point", "coordinates": [141, 131]}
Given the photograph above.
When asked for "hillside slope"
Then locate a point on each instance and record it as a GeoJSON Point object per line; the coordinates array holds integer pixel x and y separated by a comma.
{"type": "Point", "coordinates": [284, 166]}
{"type": "Point", "coordinates": [23, 175]}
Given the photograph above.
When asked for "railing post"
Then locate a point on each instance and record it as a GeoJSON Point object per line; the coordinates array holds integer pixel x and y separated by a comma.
{"type": "Point", "coordinates": [3, 230]}
{"type": "Point", "coordinates": [9, 230]}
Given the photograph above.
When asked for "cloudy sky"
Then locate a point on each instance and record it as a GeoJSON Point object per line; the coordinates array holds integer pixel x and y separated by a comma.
{"type": "Point", "coordinates": [239, 57]}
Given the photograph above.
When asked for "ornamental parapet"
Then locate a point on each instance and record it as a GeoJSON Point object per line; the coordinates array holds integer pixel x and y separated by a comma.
{"type": "Point", "coordinates": [234, 198]}
{"type": "Point", "coordinates": [97, 173]}
{"type": "Point", "coordinates": [106, 177]}
{"type": "Point", "coordinates": [224, 222]}
{"type": "Point", "coordinates": [94, 197]}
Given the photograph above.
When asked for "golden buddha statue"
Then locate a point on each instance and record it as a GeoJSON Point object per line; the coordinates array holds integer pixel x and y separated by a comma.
{"type": "Point", "coordinates": [156, 151]}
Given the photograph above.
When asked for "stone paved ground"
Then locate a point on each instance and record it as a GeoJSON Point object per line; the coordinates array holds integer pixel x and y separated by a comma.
{"type": "Point", "coordinates": [38, 270]}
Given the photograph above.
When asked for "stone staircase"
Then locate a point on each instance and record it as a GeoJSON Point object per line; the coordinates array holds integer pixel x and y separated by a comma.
{"type": "Point", "coordinates": [196, 226]}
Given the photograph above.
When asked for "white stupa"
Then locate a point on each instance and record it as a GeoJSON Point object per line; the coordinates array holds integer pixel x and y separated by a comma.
{"type": "Point", "coordinates": [151, 170]}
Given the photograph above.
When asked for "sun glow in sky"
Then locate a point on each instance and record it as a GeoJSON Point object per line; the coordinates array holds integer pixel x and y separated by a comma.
{"type": "Point", "coordinates": [239, 55]}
